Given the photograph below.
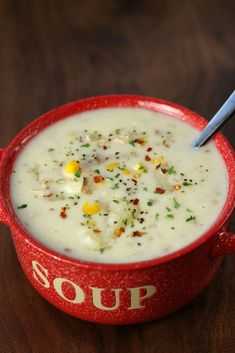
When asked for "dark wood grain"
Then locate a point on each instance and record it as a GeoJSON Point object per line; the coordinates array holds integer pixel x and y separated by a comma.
{"type": "Point", "coordinates": [52, 52]}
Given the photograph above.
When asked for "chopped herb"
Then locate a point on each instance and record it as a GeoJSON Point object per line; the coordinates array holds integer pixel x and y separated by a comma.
{"type": "Point", "coordinates": [115, 186]}
{"type": "Point", "coordinates": [185, 183]}
{"type": "Point", "coordinates": [77, 174]}
{"type": "Point", "coordinates": [176, 203]}
{"type": "Point", "coordinates": [173, 228]}
{"type": "Point", "coordinates": [188, 210]}
{"type": "Point", "coordinates": [22, 206]}
{"type": "Point", "coordinates": [101, 250]}
{"type": "Point", "coordinates": [117, 131]}
{"type": "Point", "coordinates": [133, 213]}
{"type": "Point", "coordinates": [132, 224]}
{"type": "Point", "coordinates": [168, 209]}
{"type": "Point", "coordinates": [59, 180]}
{"type": "Point", "coordinates": [116, 201]}
{"type": "Point", "coordinates": [150, 203]}
{"type": "Point", "coordinates": [97, 171]}
{"type": "Point", "coordinates": [124, 221]}
{"type": "Point", "coordinates": [170, 215]}
{"type": "Point", "coordinates": [71, 197]}
{"type": "Point", "coordinates": [157, 215]}
{"type": "Point", "coordinates": [132, 142]}
{"type": "Point", "coordinates": [77, 197]}
{"type": "Point", "coordinates": [191, 218]}
{"type": "Point", "coordinates": [109, 178]}
{"type": "Point", "coordinates": [122, 167]}
{"type": "Point", "coordinates": [145, 189]}
{"type": "Point", "coordinates": [86, 145]}
{"type": "Point", "coordinates": [51, 149]}
{"type": "Point", "coordinates": [171, 170]}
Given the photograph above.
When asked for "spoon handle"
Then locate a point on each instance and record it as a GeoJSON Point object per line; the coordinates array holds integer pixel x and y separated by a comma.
{"type": "Point", "coordinates": [223, 115]}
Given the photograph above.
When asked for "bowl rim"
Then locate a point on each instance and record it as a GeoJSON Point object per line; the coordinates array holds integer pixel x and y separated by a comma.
{"type": "Point", "coordinates": [120, 101]}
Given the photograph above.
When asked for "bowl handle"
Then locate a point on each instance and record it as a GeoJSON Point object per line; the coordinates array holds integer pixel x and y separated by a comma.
{"type": "Point", "coordinates": [224, 244]}
{"type": "Point", "coordinates": [3, 213]}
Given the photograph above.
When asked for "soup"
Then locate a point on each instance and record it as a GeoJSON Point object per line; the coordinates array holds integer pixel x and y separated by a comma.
{"type": "Point", "coordinates": [118, 185]}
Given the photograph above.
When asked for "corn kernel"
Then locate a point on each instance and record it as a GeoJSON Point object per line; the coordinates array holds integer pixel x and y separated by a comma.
{"type": "Point", "coordinates": [126, 171]}
{"type": "Point", "coordinates": [177, 187]}
{"type": "Point", "coordinates": [72, 167]}
{"type": "Point", "coordinates": [91, 207]}
{"type": "Point", "coordinates": [139, 166]}
{"type": "Point", "coordinates": [111, 166]}
{"type": "Point", "coordinates": [159, 160]}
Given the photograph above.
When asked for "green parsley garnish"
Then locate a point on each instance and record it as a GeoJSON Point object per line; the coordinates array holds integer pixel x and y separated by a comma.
{"type": "Point", "coordinates": [86, 145]}
{"type": "Point", "coordinates": [22, 206]}
{"type": "Point", "coordinates": [77, 197]}
{"type": "Point", "coordinates": [97, 171]}
{"type": "Point", "coordinates": [168, 209]}
{"type": "Point", "coordinates": [185, 183]}
{"type": "Point", "coordinates": [157, 215]}
{"type": "Point", "coordinates": [171, 170]}
{"type": "Point", "coordinates": [115, 186]}
{"type": "Point", "coordinates": [176, 203]}
{"type": "Point", "coordinates": [51, 149]}
{"type": "Point", "coordinates": [145, 189]}
{"type": "Point", "coordinates": [150, 203]}
{"type": "Point", "coordinates": [122, 167]}
{"type": "Point", "coordinates": [124, 221]}
{"type": "Point", "coordinates": [116, 201]}
{"type": "Point", "coordinates": [59, 180]}
{"type": "Point", "coordinates": [188, 209]}
{"type": "Point", "coordinates": [170, 215]}
{"type": "Point", "coordinates": [77, 174]}
{"type": "Point", "coordinates": [101, 250]}
{"type": "Point", "coordinates": [132, 142]}
{"type": "Point", "coordinates": [133, 213]}
{"type": "Point", "coordinates": [117, 131]}
{"type": "Point", "coordinates": [191, 218]}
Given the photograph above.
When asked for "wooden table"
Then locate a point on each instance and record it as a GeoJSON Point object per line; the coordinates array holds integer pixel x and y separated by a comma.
{"type": "Point", "coordinates": [52, 52]}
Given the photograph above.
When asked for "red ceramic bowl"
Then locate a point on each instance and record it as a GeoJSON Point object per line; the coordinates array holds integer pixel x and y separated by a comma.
{"type": "Point", "coordinates": [118, 293]}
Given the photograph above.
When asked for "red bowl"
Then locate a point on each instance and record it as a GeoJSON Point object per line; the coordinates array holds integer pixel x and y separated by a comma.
{"type": "Point", "coordinates": [118, 293]}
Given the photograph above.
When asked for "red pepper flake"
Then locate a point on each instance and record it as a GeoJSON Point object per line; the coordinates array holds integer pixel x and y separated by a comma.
{"type": "Point", "coordinates": [98, 179]}
{"type": "Point", "coordinates": [105, 147]}
{"type": "Point", "coordinates": [149, 149]}
{"type": "Point", "coordinates": [147, 158]}
{"type": "Point", "coordinates": [118, 232]}
{"type": "Point", "coordinates": [63, 213]}
{"type": "Point", "coordinates": [139, 141]}
{"type": "Point", "coordinates": [160, 191]}
{"type": "Point", "coordinates": [137, 233]}
{"type": "Point", "coordinates": [164, 170]}
{"type": "Point", "coordinates": [135, 202]}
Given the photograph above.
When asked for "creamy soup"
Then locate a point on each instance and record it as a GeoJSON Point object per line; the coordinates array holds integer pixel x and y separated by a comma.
{"type": "Point", "coordinates": [118, 185]}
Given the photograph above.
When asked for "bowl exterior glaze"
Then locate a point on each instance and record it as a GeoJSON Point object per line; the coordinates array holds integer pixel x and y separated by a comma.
{"type": "Point", "coordinates": [117, 297]}
{"type": "Point", "coordinates": [118, 293]}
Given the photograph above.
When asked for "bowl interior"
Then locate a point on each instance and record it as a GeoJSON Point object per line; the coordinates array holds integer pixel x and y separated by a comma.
{"type": "Point", "coordinates": [67, 110]}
